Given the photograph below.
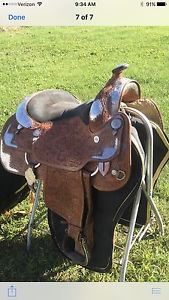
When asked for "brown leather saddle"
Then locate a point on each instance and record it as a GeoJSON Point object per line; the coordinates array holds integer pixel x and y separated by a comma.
{"type": "Point", "coordinates": [85, 155]}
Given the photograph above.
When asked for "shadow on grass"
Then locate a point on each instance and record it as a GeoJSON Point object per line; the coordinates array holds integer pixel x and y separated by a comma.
{"type": "Point", "coordinates": [40, 264]}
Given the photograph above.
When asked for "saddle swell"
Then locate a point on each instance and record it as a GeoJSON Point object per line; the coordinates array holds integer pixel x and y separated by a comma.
{"type": "Point", "coordinates": [86, 155]}
{"type": "Point", "coordinates": [107, 102]}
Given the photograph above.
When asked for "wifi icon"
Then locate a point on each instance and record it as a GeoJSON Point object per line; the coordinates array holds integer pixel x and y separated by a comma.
{"type": "Point", "coordinates": [39, 3]}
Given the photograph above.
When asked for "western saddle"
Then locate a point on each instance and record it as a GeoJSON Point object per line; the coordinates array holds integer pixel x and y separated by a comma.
{"type": "Point", "coordinates": [80, 151]}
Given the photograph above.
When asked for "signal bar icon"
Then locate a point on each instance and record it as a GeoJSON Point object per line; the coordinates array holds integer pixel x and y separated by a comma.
{"type": "Point", "coordinates": [9, 3]}
{"type": "Point", "coordinates": [22, 4]}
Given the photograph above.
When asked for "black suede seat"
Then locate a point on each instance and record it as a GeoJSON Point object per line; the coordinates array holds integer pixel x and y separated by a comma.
{"type": "Point", "coordinates": [52, 104]}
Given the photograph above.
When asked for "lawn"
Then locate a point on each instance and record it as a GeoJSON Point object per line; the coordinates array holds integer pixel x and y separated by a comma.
{"type": "Point", "coordinates": [80, 60]}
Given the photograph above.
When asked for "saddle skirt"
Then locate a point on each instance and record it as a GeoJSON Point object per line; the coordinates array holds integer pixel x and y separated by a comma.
{"type": "Point", "coordinates": [60, 146]}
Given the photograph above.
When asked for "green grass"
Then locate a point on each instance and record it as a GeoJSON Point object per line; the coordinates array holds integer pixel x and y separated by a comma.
{"type": "Point", "coordinates": [80, 60]}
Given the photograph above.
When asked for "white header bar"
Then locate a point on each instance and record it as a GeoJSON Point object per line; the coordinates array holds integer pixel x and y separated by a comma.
{"type": "Point", "coordinates": [82, 13]}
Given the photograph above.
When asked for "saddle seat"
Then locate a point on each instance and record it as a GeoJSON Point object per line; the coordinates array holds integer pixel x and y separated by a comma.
{"type": "Point", "coordinates": [45, 106]}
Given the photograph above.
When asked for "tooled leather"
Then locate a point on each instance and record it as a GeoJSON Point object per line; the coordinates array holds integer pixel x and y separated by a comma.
{"type": "Point", "coordinates": [23, 140]}
{"type": "Point", "coordinates": [64, 194]}
{"type": "Point", "coordinates": [59, 189]}
{"type": "Point", "coordinates": [88, 213]}
{"type": "Point", "coordinates": [103, 95]}
{"type": "Point", "coordinates": [70, 145]}
{"type": "Point", "coordinates": [120, 162]}
{"type": "Point", "coordinates": [128, 94]}
{"type": "Point", "coordinates": [69, 195]}
{"type": "Point", "coordinates": [23, 137]}
{"type": "Point", "coordinates": [53, 150]}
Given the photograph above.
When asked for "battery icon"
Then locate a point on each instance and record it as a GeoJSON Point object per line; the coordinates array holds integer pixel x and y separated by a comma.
{"type": "Point", "coordinates": [161, 3]}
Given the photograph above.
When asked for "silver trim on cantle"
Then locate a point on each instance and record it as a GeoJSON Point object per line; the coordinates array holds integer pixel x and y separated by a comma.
{"type": "Point", "coordinates": [21, 114]}
{"type": "Point", "coordinates": [8, 137]}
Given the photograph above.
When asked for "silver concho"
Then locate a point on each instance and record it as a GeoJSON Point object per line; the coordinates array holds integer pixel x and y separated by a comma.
{"type": "Point", "coordinates": [116, 123]}
{"type": "Point", "coordinates": [37, 132]}
{"type": "Point", "coordinates": [96, 139]}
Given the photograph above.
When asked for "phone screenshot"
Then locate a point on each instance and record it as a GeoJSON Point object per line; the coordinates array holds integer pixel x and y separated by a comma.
{"type": "Point", "coordinates": [84, 149]}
